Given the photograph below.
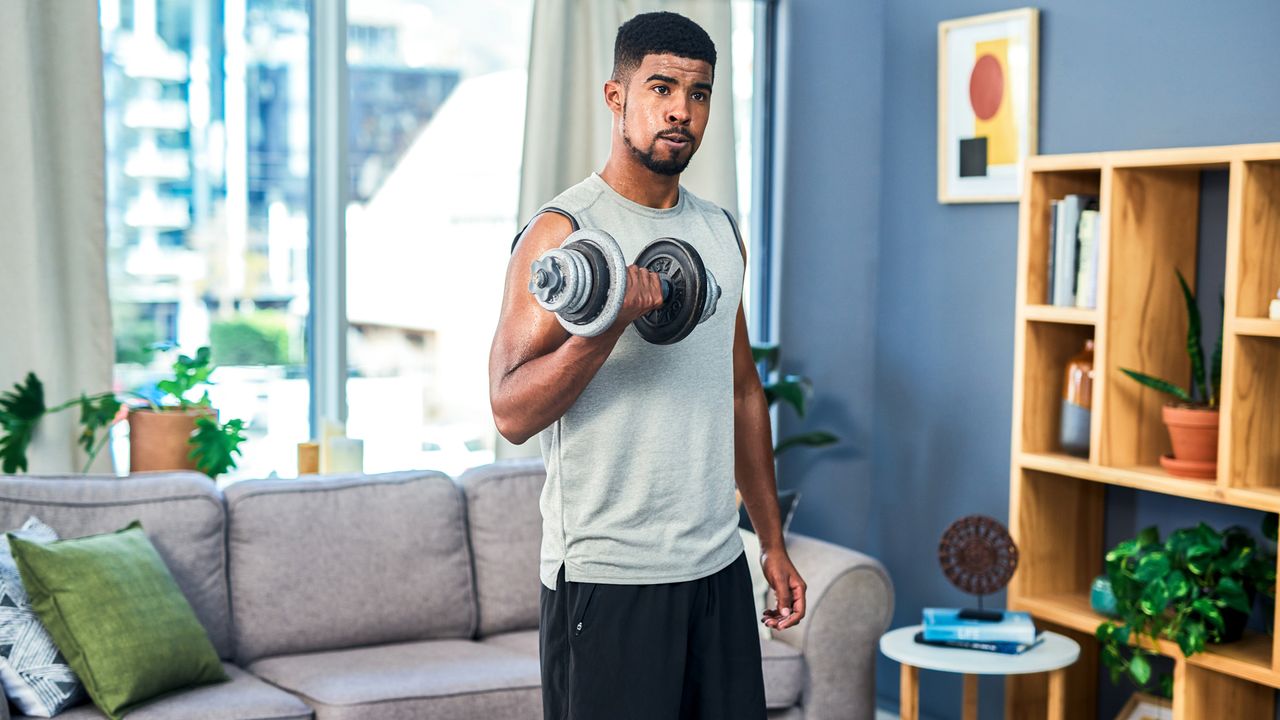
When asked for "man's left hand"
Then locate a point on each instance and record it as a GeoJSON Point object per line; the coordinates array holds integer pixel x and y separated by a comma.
{"type": "Point", "coordinates": [789, 588]}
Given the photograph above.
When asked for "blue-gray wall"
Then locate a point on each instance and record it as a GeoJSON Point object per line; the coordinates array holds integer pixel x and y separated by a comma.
{"type": "Point", "coordinates": [902, 310]}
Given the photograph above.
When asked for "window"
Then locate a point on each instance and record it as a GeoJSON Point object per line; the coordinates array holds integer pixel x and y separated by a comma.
{"type": "Point", "coordinates": [206, 107]}
{"type": "Point", "coordinates": [436, 122]}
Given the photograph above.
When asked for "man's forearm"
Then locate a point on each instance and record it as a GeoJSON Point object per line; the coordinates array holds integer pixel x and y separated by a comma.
{"type": "Point", "coordinates": [536, 393]}
{"type": "Point", "coordinates": [753, 461]}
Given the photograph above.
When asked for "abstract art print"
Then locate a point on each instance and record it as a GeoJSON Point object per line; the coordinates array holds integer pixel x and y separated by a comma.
{"type": "Point", "coordinates": [988, 68]}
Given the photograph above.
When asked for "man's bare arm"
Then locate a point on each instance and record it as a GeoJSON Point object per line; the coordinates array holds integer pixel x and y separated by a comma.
{"type": "Point", "coordinates": [537, 369]}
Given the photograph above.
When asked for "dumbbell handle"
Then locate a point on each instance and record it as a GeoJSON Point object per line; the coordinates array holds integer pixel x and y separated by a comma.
{"type": "Point", "coordinates": [666, 289]}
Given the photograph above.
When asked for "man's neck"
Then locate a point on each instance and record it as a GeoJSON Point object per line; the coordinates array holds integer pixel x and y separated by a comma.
{"type": "Point", "coordinates": [641, 185]}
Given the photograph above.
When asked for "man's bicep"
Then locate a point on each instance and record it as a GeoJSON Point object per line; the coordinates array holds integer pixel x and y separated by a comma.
{"type": "Point", "coordinates": [525, 330]}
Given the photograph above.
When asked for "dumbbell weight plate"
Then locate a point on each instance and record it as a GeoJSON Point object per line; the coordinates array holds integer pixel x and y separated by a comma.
{"type": "Point", "coordinates": [678, 262]}
{"type": "Point", "coordinates": [608, 268]}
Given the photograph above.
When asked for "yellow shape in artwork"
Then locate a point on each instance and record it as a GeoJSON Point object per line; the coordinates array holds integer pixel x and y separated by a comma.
{"type": "Point", "coordinates": [1002, 136]}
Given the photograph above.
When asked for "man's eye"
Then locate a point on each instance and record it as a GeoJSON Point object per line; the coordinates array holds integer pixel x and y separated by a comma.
{"type": "Point", "coordinates": [700, 96]}
{"type": "Point", "coordinates": [660, 87]}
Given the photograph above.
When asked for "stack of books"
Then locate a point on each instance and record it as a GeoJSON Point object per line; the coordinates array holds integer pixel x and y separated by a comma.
{"type": "Point", "coordinates": [1074, 245]}
{"type": "Point", "coordinates": [1001, 631]}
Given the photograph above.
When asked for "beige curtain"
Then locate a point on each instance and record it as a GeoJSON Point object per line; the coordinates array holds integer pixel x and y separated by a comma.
{"type": "Point", "coordinates": [55, 315]}
{"type": "Point", "coordinates": [567, 123]}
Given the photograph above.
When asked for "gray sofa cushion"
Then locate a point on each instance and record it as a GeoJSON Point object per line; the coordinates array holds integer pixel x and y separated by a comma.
{"type": "Point", "coordinates": [437, 679]}
{"type": "Point", "coordinates": [784, 667]}
{"type": "Point", "coordinates": [244, 698]}
{"type": "Point", "coordinates": [181, 512]}
{"type": "Point", "coordinates": [328, 562]}
{"type": "Point", "coordinates": [505, 528]}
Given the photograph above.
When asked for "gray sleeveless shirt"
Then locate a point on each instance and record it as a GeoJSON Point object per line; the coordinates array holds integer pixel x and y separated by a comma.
{"type": "Point", "coordinates": [640, 469]}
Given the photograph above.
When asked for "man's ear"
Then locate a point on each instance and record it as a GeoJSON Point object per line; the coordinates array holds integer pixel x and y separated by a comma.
{"type": "Point", "coordinates": [613, 96]}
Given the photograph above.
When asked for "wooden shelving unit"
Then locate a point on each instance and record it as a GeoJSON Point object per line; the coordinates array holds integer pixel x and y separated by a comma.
{"type": "Point", "coordinates": [1149, 204]}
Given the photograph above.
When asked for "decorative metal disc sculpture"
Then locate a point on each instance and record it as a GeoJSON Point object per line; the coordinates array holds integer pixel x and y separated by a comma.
{"type": "Point", "coordinates": [978, 555]}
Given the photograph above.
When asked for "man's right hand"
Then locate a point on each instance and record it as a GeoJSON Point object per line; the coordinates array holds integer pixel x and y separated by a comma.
{"type": "Point", "coordinates": [644, 295]}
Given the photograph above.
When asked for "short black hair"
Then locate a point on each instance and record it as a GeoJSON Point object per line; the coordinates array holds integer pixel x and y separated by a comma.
{"type": "Point", "coordinates": [659, 33]}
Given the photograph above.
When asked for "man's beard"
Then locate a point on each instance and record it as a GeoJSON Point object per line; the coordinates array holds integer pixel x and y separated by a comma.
{"type": "Point", "coordinates": [674, 166]}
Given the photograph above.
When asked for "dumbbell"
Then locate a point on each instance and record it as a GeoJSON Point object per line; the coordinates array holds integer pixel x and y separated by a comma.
{"type": "Point", "coordinates": [584, 282]}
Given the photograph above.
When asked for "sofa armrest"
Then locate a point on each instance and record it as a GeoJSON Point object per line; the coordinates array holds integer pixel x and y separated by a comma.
{"type": "Point", "coordinates": [849, 603]}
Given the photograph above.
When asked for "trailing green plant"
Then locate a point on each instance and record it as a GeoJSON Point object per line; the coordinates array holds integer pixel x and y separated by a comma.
{"type": "Point", "coordinates": [1204, 387]}
{"type": "Point", "coordinates": [213, 445]}
{"type": "Point", "coordinates": [22, 407]}
{"type": "Point", "coordinates": [794, 390]}
{"type": "Point", "coordinates": [1185, 589]}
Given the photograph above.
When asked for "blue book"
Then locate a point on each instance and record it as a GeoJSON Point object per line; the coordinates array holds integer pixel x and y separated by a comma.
{"type": "Point", "coordinates": [947, 624]}
{"type": "Point", "coordinates": [1005, 648]}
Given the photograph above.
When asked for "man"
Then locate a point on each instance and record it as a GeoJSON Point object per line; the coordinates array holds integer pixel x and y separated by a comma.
{"type": "Point", "coordinates": [646, 604]}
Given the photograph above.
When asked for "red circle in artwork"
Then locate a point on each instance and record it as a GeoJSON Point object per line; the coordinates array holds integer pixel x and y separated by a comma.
{"type": "Point", "coordinates": [986, 86]}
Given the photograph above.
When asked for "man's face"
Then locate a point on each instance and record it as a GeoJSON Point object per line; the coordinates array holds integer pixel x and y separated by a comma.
{"type": "Point", "coordinates": [665, 111]}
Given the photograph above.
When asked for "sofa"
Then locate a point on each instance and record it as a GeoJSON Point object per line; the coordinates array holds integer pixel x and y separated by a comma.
{"type": "Point", "coordinates": [408, 594]}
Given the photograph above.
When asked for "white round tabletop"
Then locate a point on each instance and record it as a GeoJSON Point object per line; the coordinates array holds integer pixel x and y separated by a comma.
{"type": "Point", "coordinates": [1055, 651]}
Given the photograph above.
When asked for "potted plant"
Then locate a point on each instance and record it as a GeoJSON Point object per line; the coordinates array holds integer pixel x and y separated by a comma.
{"type": "Point", "coordinates": [1192, 416]}
{"type": "Point", "coordinates": [178, 434]}
{"type": "Point", "coordinates": [795, 390]}
{"type": "Point", "coordinates": [1195, 587]}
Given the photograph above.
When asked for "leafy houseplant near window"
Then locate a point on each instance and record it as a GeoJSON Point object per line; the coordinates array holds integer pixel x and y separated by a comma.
{"type": "Point", "coordinates": [1192, 423]}
{"type": "Point", "coordinates": [1196, 587]}
{"type": "Point", "coordinates": [183, 434]}
{"type": "Point", "coordinates": [795, 390]}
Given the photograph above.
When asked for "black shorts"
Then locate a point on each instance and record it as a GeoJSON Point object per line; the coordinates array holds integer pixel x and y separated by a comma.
{"type": "Point", "coordinates": [670, 651]}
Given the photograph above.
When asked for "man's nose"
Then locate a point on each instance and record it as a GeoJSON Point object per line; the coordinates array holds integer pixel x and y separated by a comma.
{"type": "Point", "coordinates": [678, 113]}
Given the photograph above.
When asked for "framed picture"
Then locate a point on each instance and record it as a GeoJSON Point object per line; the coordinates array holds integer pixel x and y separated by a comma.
{"type": "Point", "coordinates": [988, 86]}
{"type": "Point", "coordinates": [1142, 706]}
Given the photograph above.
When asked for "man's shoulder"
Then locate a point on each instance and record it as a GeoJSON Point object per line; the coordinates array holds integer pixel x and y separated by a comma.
{"type": "Point", "coordinates": [706, 206]}
{"type": "Point", "coordinates": [576, 197]}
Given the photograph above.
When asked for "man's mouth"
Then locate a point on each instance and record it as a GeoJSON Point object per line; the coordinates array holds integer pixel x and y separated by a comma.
{"type": "Point", "coordinates": [678, 141]}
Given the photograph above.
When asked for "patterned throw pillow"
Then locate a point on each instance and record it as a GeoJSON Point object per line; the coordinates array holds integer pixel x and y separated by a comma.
{"type": "Point", "coordinates": [35, 675]}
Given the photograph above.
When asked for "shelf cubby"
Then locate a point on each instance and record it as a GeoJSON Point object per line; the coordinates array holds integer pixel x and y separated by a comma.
{"type": "Point", "coordinates": [1252, 440]}
{"type": "Point", "coordinates": [1258, 262]}
{"type": "Point", "coordinates": [1153, 232]}
{"type": "Point", "coordinates": [1049, 347]}
{"type": "Point", "coordinates": [1046, 187]}
{"type": "Point", "coordinates": [1151, 204]}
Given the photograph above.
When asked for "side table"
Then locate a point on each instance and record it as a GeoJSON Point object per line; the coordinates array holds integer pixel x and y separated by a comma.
{"type": "Point", "coordinates": [1051, 655]}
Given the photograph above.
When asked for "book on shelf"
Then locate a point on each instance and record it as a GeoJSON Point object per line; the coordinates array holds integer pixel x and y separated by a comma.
{"type": "Point", "coordinates": [1087, 277]}
{"type": "Point", "coordinates": [952, 624]}
{"type": "Point", "coordinates": [1004, 648]}
{"type": "Point", "coordinates": [1050, 273]}
{"type": "Point", "coordinates": [1065, 252]}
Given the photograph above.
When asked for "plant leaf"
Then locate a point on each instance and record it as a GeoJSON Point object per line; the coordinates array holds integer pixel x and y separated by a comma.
{"type": "Point", "coordinates": [1140, 669]}
{"type": "Point", "coordinates": [1149, 535]}
{"type": "Point", "coordinates": [1194, 349]}
{"type": "Point", "coordinates": [213, 445]}
{"type": "Point", "coordinates": [767, 352]}
{"type": "Point", "coordinates": [793, 389]}
{"type": "Point", "coordinates": [817, 438]}
{"type": "Point", "coordinates": [1215, 366]}
{"type": "Point", "coordinates": [96, 413]}
{"type": "Point", "coordinates": [20, 411]}
{"type": "Point", "coordinates": [1157, 384]}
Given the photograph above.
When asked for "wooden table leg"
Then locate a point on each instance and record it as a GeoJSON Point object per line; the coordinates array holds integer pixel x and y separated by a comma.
{"type": "Point", "coordinates": [909, 693]}
{"type": "Point", "coordinates": [1058, 694]}
{"type": "Point", "coordinates": [970, 698]}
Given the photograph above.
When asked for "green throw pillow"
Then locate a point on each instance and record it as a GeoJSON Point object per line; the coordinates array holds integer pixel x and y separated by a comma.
{"type": "Point", "coordinates": [115, 612]}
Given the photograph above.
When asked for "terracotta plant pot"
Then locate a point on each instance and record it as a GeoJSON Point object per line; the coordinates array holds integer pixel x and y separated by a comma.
{"type": "Point", "coordinates": [159, 440]}
{"type": "Point", "coordinates": [1194, 434]}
